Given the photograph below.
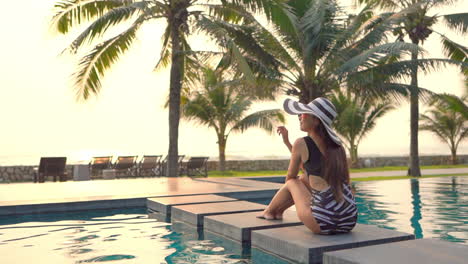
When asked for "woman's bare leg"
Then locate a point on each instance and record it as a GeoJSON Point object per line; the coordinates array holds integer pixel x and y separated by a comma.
{"type": "Point", "coordinates": [285, 201]}
{"type": "Point", "coordinates": [302, 196]}
{"type": "Point", "coordinates": [280, 202]}
{"type": "Point", "coordinates": [296, 190]}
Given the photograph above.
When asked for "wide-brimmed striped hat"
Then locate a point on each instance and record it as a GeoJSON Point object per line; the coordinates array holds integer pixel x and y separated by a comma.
{"type": "Point", "coordinates": [320, 107]}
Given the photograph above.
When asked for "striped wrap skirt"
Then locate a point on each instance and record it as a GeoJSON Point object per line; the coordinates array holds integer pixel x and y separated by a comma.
{"type": "Point", "coordinates": [332, 216]}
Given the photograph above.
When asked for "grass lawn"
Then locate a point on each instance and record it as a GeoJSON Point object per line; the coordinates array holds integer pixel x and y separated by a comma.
{"type": "Point", "coordinates": [377, 169]}
{"type": "Point", "coordinates": [394, 168]}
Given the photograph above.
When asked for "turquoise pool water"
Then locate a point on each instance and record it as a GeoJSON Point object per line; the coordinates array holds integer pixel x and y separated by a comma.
{"type": "Point", "coordinates": [427, 208]}
{"type": "Point", "coordinates": [436, 207]}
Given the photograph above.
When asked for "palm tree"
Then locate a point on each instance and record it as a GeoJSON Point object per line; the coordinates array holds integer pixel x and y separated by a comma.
{"type": "Point", "coordinates": [317, 48]}
{"type": "Point", "coordinates": [448, 125]}
{"type": "Point", "coordinates": [222, 106]}
{"type": "Point", "coordinates": [454, 103]}
{"type": "Point", "coordinates": [357, 116]}
{"type": "Point", "coordinates": [180, 17]}
{"type": "Point", "coordinates": [418, 25]}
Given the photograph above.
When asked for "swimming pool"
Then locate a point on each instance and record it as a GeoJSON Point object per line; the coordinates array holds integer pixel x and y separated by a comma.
{"type": "Point", "coordinates": [436, 207]}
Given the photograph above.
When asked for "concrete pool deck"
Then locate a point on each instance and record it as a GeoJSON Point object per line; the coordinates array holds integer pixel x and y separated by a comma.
{"type": "Point", "coordinates": [30, 194]}
{"type": "Point", "coordinates": [20, 198]}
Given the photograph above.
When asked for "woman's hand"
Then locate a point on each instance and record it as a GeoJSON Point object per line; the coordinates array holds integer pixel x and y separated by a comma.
{"type": "Point", "coordinates": [283, 132]}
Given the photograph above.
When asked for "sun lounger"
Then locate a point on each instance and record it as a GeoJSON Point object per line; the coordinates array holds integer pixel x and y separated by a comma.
{"type": "Point", "coordinates": [197, 166]}
{"type": "Point", "coordinates": [98, 164]}
{"type": "Point", "coordinates": [150, 163]}
{"type": "Point", "coordinates": [126, 164]}
{"type": "Point", "coordinates": [54, 167]}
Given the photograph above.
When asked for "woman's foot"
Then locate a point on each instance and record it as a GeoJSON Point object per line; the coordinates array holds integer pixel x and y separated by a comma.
{"type": "Point", "coordinates": [278, 216]}
{"type": "Point", "coordinates": [266, 215]}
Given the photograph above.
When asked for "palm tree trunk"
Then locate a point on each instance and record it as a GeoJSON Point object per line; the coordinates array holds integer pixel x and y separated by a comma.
{"type": "Point", "coordinates": [222, 152]}
{"type": "Point", "coordinates": [414, 169]}
{"type": "Point", "coordinates": [354, 156]}
{"type": "Point", "coordinates": [174, 101]}
{"type": "Point", "coordinates": [453, 150]}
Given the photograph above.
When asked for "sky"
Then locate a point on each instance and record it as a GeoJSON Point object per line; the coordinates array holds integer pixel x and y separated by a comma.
{"type": "Point", "coordinates": [40, 115]}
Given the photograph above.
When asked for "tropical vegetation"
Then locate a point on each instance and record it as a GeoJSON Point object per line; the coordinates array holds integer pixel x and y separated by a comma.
{"type": "Point", "coordinates": [357, 116]}
{"type": "Point", "coordinates": [446, 123]}
{"type": "Point", "coordinates": [181, 20]}
{"type": "Point", "coordinates": [222, 105]}
{"type": "Point", "coordinates": [418, 24]}
{"type": "Point", "coordinates": [309, 48]}
{"type": "Point", "coordinates": [318, 49]}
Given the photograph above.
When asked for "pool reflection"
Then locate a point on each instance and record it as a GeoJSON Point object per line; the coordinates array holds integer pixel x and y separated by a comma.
{"type": "Point", "coordinates": [430, 208]}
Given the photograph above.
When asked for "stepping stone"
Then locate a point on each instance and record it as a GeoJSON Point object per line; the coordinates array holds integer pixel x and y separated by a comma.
{"type": "Point", "coordinates": [415, 251]}
{"type": "Point", "coordinates": [238, 227]}
{"type": "Point", "coordinates": [299, 244]}
{"type": "Point", "coordinates": [163, 205]}
{"type": "Point", "coordinates": [193, 214]}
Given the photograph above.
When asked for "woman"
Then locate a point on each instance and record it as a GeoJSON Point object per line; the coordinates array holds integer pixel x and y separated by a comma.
{"type": "Point", "coordinates": [323, 199]}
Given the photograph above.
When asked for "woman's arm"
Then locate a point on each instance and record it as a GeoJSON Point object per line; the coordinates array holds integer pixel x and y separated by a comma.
{"type": "Point", "coordinates": [284, 134]}
{"type": "Point", "coordinates": [296, 159]}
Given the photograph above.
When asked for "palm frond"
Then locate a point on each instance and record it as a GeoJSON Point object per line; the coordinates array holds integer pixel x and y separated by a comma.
{"type": "Point", "coordinates": [229, 12]}
{"type": "Point", "coordinates": [265, 119]}
{"type": "Point", "coordinates": [200, 111]}
{"type": "Point", "coordinates": [457, 22]}
{"type": "Point", "coordinates": [218, 30]}
{"type": "Point", "coordinates": [395, 71]}
{"type": "Point", "coordinates": [369, 58]}
{"type": "Point", "coordinates": [165, 55]}
{"type": "Point", "coordinates": [454, 50]}
{"type": "Point", "coordinates": [236, 108]}
{"type": "Point", "coordinates": [73, 12]}
{"type": "Point", "coordinates": [376, 112]}
{"type": "Point", "coordinates": [104, 22]}
{"type": "Point", "coordinates": [352, 29]}
{"type": "Point", "coordinates": [453, 103]}
{"type": "Point", "coordinates": [435, 130]}
{"type": "Point", "coordinates": [384, 4]}
{"type": "Point", "coordinates": [277, 11]}
{"type": "Point", "coordinates": [319, 27]}
{"type": "Point", "coordinates": [374, 31]}
{"type": "Point", "coordinates": [250, 39]}
{"type": "Point", "coordinates": [444, 122]}
{"type": "Point", "coordinates": [93, 66]}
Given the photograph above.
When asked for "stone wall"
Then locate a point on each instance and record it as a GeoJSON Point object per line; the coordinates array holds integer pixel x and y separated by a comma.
{"type": "Point", "coordinates": [403, 161]}
{"type": "Point", "coordinates": [251, 165]}
{"type": "Point", "coordinates": [26, 173]}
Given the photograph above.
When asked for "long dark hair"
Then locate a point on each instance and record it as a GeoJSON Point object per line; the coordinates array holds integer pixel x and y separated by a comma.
{"type": "Point", "coordinates": [334, 166]}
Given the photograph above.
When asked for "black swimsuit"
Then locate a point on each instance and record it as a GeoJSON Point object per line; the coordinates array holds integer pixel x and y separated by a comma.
{"type": "Point", "coordinates": [332, 216]}
{"type": "Point", "coordinates": [313, 165]}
